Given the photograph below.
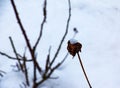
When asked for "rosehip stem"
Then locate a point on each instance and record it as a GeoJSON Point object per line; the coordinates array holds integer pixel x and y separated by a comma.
{"type": "Point", "coordinates": [84, 70]}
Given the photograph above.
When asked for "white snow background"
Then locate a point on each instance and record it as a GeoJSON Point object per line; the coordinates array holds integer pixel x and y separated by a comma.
{"type": "Point", "coordinates": [98, 23]}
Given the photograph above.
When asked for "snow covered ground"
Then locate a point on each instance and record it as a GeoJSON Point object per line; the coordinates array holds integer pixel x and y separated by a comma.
{"type": "Point", "coordinates": [98, 23]}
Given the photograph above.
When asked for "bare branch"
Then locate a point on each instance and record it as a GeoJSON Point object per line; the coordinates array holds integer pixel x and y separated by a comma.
{"type": "Point", "coordinates": [48, 75]}
{"type": "Point", "coordinates": [67, 27]}
{"type": "Point", "coordinates": [34, 76]}
{"type": "Point", "coordinates": [1, 73]}
{"type": "Point", "coordinates": [15, 52]}
{"type": "Point", "coordinates": [49, 70]}
{"type": "Point", "coordinates": [42, 24]}
{"type": "Point", "coordinates": [26, 71]}
{"type": "Point", "coordinates": [4, 54]}
{"type": "Point", "coordinates": [48, 61]}
{"type": "Point", "coordinates": [23, 84]}
{"type": "Point", "coordinates": [25, 37]}
{"type": "Point", "coordinates": [21, 26]}
{"type": "Point", "coordinates": [13, 58]}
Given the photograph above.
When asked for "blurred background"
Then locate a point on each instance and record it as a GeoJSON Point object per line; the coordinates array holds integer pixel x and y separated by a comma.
{"type": "Point", "coordinates": [98, 23]}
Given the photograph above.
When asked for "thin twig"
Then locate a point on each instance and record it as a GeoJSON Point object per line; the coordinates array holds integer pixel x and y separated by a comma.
{"type": "Point", "coordinates": [25, 37]}
{"type": "Point", "coordinates": [34, 76]}
{"type": "Point", "coordinates": [1, 73]}
{"type": "Point", "coordinates": [13, 58]}
{"type": "Point", "coordinates": [6, 55]}
{"type": "Point", "coordinates": [15, 52]}
{"type": "Point", "coordinates": [67, 27]}
{"type": "Point", "coordinates": [47, 65]}
{"type": "Point", "coordinates": [25, 67]}
{"type": "Point", "coordinates": [47, 75]}
{"type": "Point", "coordinates": [21, 26]}
{"type": "Point", "coordinates": [84, 70]}
{"type": "Point", "coordinates": [26, 71]}
{"type": "Point", "coordinates": [23, 84]}
{"type": "Point", "coordinates": [42, 24]}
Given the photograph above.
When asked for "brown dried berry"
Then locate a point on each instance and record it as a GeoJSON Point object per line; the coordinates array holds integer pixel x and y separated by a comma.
{"type": "Point", "coordinates": [74, 48]}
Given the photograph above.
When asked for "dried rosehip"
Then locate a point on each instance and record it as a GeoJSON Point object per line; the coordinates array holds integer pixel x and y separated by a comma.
{"type": "Point", "coordinates": [74, 47]}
